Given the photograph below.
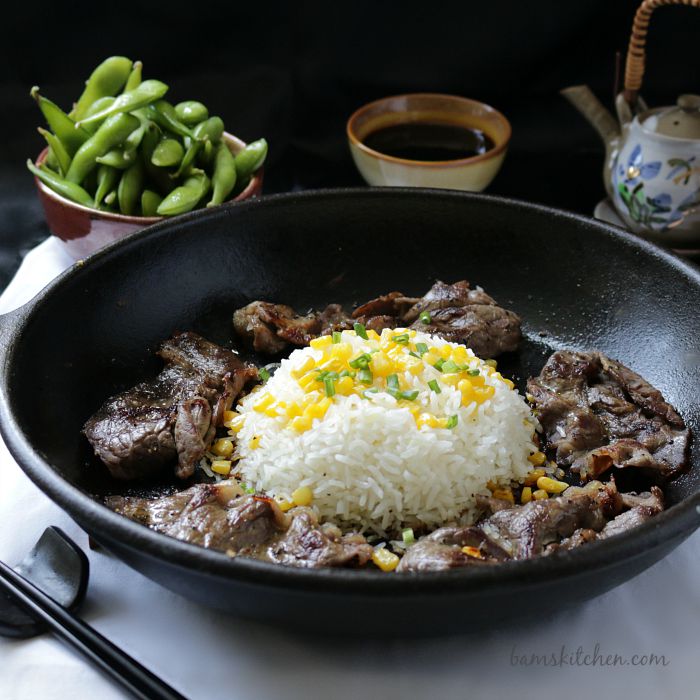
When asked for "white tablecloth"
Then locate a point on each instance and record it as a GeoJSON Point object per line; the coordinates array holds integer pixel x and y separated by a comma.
{"type": "Point", "coordinates": [208, 655]}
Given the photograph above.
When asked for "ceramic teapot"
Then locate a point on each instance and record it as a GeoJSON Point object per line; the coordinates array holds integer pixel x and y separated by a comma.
{"type": "Point", "coordinates": [652, 164]}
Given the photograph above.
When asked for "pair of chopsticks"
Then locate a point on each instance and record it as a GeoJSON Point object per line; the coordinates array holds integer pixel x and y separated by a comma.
{"type": "Point", "coordinates": [117, 664]}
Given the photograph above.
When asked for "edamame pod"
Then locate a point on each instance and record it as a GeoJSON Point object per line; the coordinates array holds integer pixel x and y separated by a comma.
{"type": "Point", "coordinates": [186, 197]}
{"type": "Point", "coordinates": [66, 189]}
{"type": "Point", "coordinates": [224, 177]}
{"type": "Point", "coordinates": [191, 112]}
{"type": "Point", "coordinates": [58, 150]}
{"type": "Point", "coordinates": [112, 133]}
{"type": "Point", "coordinates": [150, 201]}
{"type": "Point", "coordinates": [134, 79]}
{"type": "Point", "coordinates": [167, 153]}
{"type": "Point", "coordinates": [60, 123]}
{"type": "Point", "coordinates": [117, 158]}
{"type": "Point", "coordinates": [129, 190]}
{"type": "Point", "coordinates": [159, 177]}
{"type": "Point", "coordinates": [163, 114]}
{"type": "Point", "coordinates": [250, 158]}
{"type": "Point", "coordinates": [210, 130]}
{"type": "Point", "coordinates": [107, 79]}
{"type": "Point", "coordinates": [94, 108]}
{"type": "Point", "coordinates": [107, 178]}
{"type": "Point", "coordinates": [144, 94]}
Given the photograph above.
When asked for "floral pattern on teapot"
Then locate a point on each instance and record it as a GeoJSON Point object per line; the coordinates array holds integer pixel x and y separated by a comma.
{"type": "Point", "coordinates": [655, 193]}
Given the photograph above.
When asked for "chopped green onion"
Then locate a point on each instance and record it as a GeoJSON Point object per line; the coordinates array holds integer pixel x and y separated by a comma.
{"type": "Point", "coordinates": [360, 330]}
{"type": "Point", "coordinates": [422, 348]}
{"type": "Point", "coordinates": [330, 386]}
{"type": "Point", "coordinates": [473, 372]}
{"type": "Point", "coordinates": [327, 374]}
{"type": "Point", "coordinates": [408, 536]}
{"type": "Point", "coordinates": [438, 365]}
{"type": "Point", "coordinates": [434, 386]}
{"type": "Point", "coordinates": [365, 376]}
{"type": "Point", "coordinates": [337, 336]}
{"type": "Point", "coordinates": [346, 373]}
{"type": "Point", "coordinates": [425, 317]}
{"type": "Point", "coordinates": [452, 421]}
{"type": "Point", "coordinates": [392, 381]}
{"type": "Point", "coordinates": [264, 374]}
{"type": "Point", "coordinates": [409, 395]}
{"type": "Point", "coordinates": [361, 361]}
{"type": "Point", "coordinates": [402, 338]}
{"type": "Point", "coordinates": [414, 354]}
{"type": "Point", "coordinates": [450, 367]}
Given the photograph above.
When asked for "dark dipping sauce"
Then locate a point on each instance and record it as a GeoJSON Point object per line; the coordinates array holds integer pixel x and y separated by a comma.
{"type": "Point", "coordinates": [429, 142]}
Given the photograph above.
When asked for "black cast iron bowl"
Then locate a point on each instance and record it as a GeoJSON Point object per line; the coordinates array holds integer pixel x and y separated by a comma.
{"type": "Point", "coordinates": [574, 281]}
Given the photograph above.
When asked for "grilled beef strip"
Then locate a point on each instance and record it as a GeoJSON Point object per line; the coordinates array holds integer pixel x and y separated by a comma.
{"type": "Point", "coordinates": [598, 414]}
{"type": "Point", "coordinates": [173, 417]}
{"type": "Point", "coordinates": [457, 313]}
{"type": "Point", "coordinates": [220, 516]}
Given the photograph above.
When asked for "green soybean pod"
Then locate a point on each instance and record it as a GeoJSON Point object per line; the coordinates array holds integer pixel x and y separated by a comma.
{"type": "Point", "coordinates": [147, 92]}
{"type": "Point", "coordinates": [167, 153]}
{"type": "Point", "coordinates": [107, 79]}
{"type": "Point", "coordinates": [186, 197]}
{"type": "Point", "coordinates": [112, 133]}
{"type": "Point", "coordinates": [224, 178]}
{"type": "Point", "coordinates": [94, 108]}
{"type": "Point", "coordinates": [163, 114]}
{"type": "Point", "coordinates": [191, 112]}
{"type": "Point", "coordinates": [158, 177]}
{"type": "Point", "coordinates": [250, 158]}
{"type": "Point", "coordinates": [118, 158]}
{"type": "Point", "coordinates": [60, 123]}
{"type": "Point", "coordinates": [134, 79]}
{"type": "Point", "coordinates": [107, 179]}
{"type": "Point", "coordinates": [66, 189]}
{"type": "Point", "coordinates": [58, 150]}
{"type": "Point", "coordinates": [150, 201]}
{"type": "Point", "coordinates": [129, 190]}
{"type": "Point", "coordinates": [210, 130]}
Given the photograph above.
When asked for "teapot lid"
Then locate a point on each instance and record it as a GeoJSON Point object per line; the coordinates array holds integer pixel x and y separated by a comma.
{"type": "Point", "coordinates": [681, 121]}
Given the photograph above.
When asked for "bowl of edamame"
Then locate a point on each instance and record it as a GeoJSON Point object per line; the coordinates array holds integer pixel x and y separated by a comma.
{"type": "Point", "coordinates": [124, 158]}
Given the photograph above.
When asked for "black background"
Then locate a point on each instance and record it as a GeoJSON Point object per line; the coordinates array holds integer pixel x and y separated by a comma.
{"type": "Point", "coordinates": [293, 72]}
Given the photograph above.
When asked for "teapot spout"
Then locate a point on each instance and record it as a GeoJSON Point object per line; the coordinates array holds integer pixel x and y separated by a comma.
{"type": "Point", "coordinates": [582, 97]}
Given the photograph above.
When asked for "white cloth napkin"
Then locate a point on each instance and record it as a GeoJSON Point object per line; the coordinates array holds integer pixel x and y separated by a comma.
{"type": "Point", "coordinates": [206, 654]}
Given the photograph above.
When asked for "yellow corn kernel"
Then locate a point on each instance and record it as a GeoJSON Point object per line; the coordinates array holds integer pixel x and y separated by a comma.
{"type": "Point", "coordinates": [322, 342]}
{"type": "Point", "coordinates": [526, 494]}
{"type": "Point", "coordinates": [491, 363]}
{"type": "Point", "coordinates": [460, 354]}
{"type": "Point", "coordinates": [482, 394]}
{"type": "Point", "coordinates": [293, 410]}
{"type": "Point", "coordinates": [467, 389]}
{"type": "Point", "coordinates": [222, 448]}
{"type": "Point", "coordinates": [432, 356]}
{"type": "Point", "coordinates": [450, 379]}
{"type": "Point", "coordinates": [413, 365]}
{"type": "Point", "coordinates": [229, 416]}
{"type": "Point", "coordinates": [478, 380]}
{"type": "Point", "coordinates": [504, 494]}
{"type": "Point", "coordinates": [306, 366]}
{"type": "Point", "coordinates": [265, 401]}
{"type": "Point", "coordinates": [508, 383]}
{"type": "Point", "coordinates": [384, 559]}
{"type": "Point", "coordinates": [255, 442]}
{"type": "Point", "coordinates": [540, 494]}
{"type": "Point", "coordinates": [285, 505]}
{"type": "Point", "coordinates": [301, 423]}
{"type": "Point", "coordinates": [372, 335]}
{"type": "Point", "coordinates": [341, 351]}
{"type": "Point", "coordinates": [344, 386]}
{"type": "Point", "coordinates": [318, 410]}
{"type": "Point", "coordinates": [221, 466]}
{"type": "Point", "coordinates": [235, 424]}
{"type": "Point", "coordinates": [302, 496]}
{"type": "Point", "coordinates": [427, 419]}
{"type": "Point", "coordinates": [551, 485]}
{"type": "Point", "coordinates": [272, 411]}
{"type": "Point", "coordinates": [445, 352]}
{"type": "Point", "coordinates": [473, 552]}
{"type": "Point", "coordinates": [532, 476]}
{"type": "Point", "coordinates": [537, 459]}
{"type": "Point", "coordinates": [380, 365]}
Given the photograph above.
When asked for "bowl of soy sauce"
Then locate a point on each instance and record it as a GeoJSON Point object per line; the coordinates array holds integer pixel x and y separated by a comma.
{"type": "Point", "coordinates": [428, 140]}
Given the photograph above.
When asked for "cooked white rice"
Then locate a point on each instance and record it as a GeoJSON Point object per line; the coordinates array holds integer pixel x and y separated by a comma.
{"type": "Point", "coordinates": [366, 461]}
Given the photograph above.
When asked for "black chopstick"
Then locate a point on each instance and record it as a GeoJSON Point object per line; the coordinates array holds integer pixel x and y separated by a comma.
{"type": "Point", "coordinates": [117, 664]}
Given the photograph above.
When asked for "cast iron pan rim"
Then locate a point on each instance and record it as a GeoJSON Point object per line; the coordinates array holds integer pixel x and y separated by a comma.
{"type": "Point", "coordinates": [679, 520]}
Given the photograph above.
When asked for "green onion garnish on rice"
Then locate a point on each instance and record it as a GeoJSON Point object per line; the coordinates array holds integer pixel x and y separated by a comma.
{"type": "Point", "coordinates": [438, 365]}
{"type": "Point", "coordinates": [337, 336]}
{"type": "Point", "coordinates": [425, 317]}
{"type": "Point", "coordinates": [329, 386]}
{"type": "Point", "coordinates": [365, 376]}
{"type": "Point", "coordinates": [434, 386]}
{"type": "Point", "coordinates": [402, 338]}
{"type": "Point", "coordinates": [361, 331]}
{"type": "Point", "coordinates": [450, 367]}
{"type": "Point", "coordinates": [452, 422]}
{"type": "Point", "coordinates": [408, 536]}
{"type": "Point", "coordinates": [473, 372]}
{"type": "Point", "coordinates": [421, 348]}
{"type": "Point", "coordinates": [264, 374]}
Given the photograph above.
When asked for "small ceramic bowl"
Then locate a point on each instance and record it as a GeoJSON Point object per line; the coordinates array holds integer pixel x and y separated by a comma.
{"type": "Point", "coordinates": [473, 174]}
{"type": "Point", "coordinates": [84, 230]}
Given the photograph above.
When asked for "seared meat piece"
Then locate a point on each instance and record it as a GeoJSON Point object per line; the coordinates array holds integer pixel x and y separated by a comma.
{"type": "Point", "coordinates": [171, 418]}
{"type": "Point", "coordinates": [598, 414]}
{"type": "Point", "coordinates": [457, 313]}
{"type": "Point", "coordinates": [219, 516]}
{"type": "Point", "coordinates": [516, 532]}
{"type": "Point", "coordinates": [269, 328]}
{"type": "Point", "coordinates": [307, 544]}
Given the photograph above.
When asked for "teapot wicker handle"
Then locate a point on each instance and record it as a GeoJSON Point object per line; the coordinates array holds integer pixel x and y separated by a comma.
{"type": "Point", "coordinates": [634, 67]}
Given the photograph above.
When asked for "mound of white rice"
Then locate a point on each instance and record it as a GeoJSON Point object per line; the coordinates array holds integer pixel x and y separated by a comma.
{"type": "Point", "coordinates": [378, 460]}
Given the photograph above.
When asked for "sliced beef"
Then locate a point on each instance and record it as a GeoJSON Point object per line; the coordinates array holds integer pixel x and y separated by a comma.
{"type": "Point", "coordinates": [457, 313]}
{"type": "Point", "coordinates": [172, 418]}
{"type": "Point", "coordinates": [598, 414]}
{"type": "Point", "coordinates": [516, 532]}
{"type": "Point", "coordinates": [219, 516]}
